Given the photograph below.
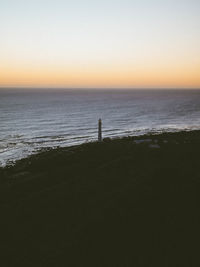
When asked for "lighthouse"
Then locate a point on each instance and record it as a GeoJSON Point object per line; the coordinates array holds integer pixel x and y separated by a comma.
{"type": "Point", "coordinates": [100, 131]}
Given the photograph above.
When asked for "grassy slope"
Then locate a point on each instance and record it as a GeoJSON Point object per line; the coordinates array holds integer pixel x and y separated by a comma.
{"type": "Point", "coordinates": [109, 204]}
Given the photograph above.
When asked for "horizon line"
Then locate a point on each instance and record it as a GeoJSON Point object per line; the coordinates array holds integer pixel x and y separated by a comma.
{"type": "Point", "coordinates": [100, 88]}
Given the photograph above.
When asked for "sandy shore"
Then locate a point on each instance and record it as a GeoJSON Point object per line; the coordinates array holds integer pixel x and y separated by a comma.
{"type": "Point", "coordinates": [126, 202]}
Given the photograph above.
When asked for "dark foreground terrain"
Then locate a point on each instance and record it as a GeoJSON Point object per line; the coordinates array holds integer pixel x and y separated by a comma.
{"type": "Point", "coordinates": [127, 202]}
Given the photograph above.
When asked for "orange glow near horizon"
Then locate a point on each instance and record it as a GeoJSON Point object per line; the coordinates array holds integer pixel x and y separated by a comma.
{"type": "Point", "coordinates": [101, 76]}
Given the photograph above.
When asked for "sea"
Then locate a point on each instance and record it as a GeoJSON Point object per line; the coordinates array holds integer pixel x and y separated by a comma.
{"type": "Point", "coordinates": [32, 120]}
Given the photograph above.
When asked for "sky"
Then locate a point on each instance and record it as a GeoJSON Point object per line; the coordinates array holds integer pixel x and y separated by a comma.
{"type": "Point", "coordinates": [107, 43]}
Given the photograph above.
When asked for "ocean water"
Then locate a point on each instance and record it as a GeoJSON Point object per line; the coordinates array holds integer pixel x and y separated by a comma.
{"type": "Point", "coordinates": [33, 119]}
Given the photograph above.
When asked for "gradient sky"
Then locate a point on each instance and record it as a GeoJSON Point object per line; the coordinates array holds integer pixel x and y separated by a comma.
{"type": "Point", "coordinates": [107, 43]}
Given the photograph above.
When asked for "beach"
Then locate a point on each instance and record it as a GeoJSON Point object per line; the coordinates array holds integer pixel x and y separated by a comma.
{"type": "Point", "coordinates": [131, 201]}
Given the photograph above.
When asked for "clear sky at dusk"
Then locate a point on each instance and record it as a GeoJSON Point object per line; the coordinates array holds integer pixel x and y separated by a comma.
{"type": "Point", "coordinates": [107, 43]}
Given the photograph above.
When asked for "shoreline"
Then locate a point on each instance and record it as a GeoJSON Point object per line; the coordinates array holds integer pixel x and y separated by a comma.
{"type": "Point", "coordinates": [12, 163]}
{"type": "Point", "coordinates": [149, 141]}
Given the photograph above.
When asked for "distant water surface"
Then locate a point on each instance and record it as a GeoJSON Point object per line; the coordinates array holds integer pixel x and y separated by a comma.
{"type": "Point", "coordinates": [33, 119]}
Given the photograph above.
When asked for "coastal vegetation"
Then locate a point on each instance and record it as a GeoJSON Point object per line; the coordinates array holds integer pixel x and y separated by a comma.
{"type": "Point", "coordinates": [131, 201]}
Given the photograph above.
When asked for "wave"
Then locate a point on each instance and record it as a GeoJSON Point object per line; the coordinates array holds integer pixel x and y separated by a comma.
{"type": "Point", "coordinates": [45, 121]}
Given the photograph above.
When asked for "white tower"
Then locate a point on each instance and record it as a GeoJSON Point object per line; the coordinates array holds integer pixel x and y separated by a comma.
{"type": "Point", "coordinates": [99, 131]}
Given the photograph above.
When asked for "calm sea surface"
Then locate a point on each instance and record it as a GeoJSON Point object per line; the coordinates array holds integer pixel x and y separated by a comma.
{"type": "Point", "coordinates": [33, 119]}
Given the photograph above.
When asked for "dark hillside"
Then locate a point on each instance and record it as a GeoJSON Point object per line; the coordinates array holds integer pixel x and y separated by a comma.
{"type": "Point", "coordinates": [125, 202]}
